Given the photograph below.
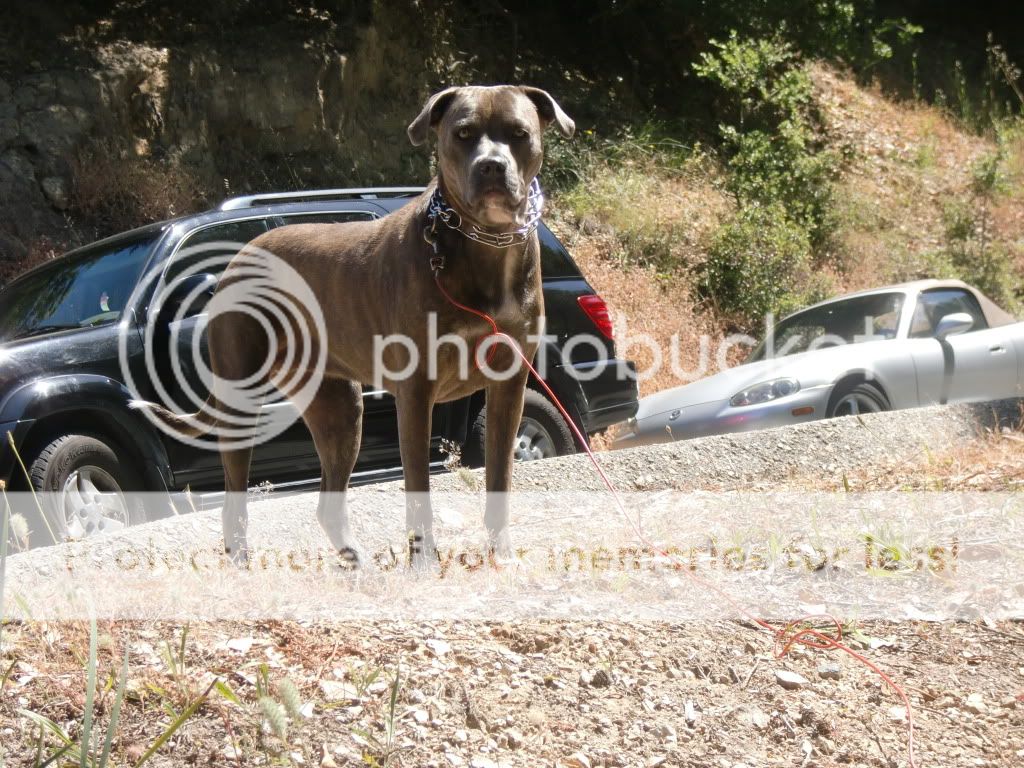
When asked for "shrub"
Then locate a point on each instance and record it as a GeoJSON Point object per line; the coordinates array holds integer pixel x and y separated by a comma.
{"type": "Point", "coordinates": [114, 191]}
{"type": "Point", "coordinates": [652, 196]}
{"type": "Point", "coordinates": [759, 263]}
{"type": "Point", "coordinates": [767, 129]}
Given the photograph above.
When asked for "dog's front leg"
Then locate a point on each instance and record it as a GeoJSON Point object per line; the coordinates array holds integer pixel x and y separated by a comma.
{"type": "Point", "coordinates": [414, 402]}
{"type": "Point", "coordinates": [504, 412]}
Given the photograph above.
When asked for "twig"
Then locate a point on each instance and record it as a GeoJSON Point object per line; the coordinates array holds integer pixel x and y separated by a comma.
{"type": "Point", "coordinates": [1017, 636]}
{"type": "Point", "coordinates": [753, 669]}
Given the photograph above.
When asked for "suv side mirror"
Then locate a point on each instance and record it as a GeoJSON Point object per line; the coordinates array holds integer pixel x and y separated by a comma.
{"type": "Point", "coordinates": [951, 325]}
{"type": "Point", "coordinates": [195, 289]}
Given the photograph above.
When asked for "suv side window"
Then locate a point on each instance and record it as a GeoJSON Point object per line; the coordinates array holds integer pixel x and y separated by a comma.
{"type": "Point", "coordinates": [227, 232]}
{"type": "Point", "coordinates": [933, 305]}
{"type": "Point", "coordinates": [325, 217]}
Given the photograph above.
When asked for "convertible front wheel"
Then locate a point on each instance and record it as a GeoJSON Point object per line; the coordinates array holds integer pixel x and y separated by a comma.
{"type": "Point", "coordinates": [854, 399]}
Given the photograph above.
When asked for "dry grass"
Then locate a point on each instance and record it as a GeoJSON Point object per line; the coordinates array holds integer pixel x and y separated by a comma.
{"type": "Point", "coordinates": [637, 229]}
{"type": "Point", "coordinates": [907, 162]}
{"type": "Point", "coordinates": [115, 191]}
{"type": "Point", "coordinates": [42, 250]}
{"type": "Point", "coordinates": [994, 463]}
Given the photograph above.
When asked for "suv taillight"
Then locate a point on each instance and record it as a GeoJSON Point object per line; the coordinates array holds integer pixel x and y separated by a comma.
{"type": "Point", "coordinates": [598, 313]}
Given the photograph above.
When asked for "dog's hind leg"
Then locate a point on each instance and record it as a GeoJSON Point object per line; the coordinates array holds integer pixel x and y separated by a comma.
{"type": "Point", "coordinates": [334, 418]}
{"type": "Point", "coordinates": [232, 360]}
{"type": "Point", "coordinates": [234, 515]}
{"type": "Point", "coordinates": [414, 404]}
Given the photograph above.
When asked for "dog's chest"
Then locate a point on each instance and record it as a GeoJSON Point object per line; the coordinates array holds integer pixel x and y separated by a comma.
{"type": "Point", "coordinates": [469, 354]}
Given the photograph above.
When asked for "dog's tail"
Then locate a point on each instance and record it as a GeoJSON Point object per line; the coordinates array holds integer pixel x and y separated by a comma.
{"type": "Point", "coordinates": [185, 424]}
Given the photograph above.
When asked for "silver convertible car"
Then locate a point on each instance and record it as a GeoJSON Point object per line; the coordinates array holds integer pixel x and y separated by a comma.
{"type": "Point", "coordinates": [920, 343]}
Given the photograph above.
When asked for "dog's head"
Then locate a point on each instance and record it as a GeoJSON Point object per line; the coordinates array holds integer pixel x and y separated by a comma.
{"type": "Point", "coordinates": [489, 146]}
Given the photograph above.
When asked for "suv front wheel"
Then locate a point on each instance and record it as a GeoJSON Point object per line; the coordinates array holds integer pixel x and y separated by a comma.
{"type": "Point", "coordinates": [86, 487]}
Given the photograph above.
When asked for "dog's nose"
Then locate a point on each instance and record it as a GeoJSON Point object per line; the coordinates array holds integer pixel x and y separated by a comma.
{"type": "Point", "coordinates": [493, 167]}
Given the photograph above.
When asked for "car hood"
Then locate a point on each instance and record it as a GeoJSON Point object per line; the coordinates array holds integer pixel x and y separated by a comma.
{"type": "Point", "coordinates": [809, 368]}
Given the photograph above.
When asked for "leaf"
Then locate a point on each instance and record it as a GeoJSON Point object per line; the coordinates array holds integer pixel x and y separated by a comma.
{"type": "Point", "coordinates": [47, 724]}
{"type": "Point", "coordinates": [90, 697]}
{"type": "Point", "coordinates": [225, 690]}
{"type": "Point", "coordinates": [115, 712]}
{"type": "Point", "coordinates": [190, 710]}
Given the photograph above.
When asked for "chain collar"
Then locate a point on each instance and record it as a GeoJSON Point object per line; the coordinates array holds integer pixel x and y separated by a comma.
{"type": "Point", "coordinates": [439, 210]}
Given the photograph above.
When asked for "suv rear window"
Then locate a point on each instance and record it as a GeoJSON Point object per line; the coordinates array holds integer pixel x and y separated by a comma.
{"type": "Point", "coordinates": [554, 259]}
{"type": "Point", "coordinates": [325, 217]}
{"type": "Point", "coordinates": [214, 245]}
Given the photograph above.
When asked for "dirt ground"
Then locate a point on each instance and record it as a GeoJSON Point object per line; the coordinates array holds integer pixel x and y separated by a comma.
{"type": "Point", "coordinates": [530, 694]}
{"type": "Point", "coordinates": [535, 692]}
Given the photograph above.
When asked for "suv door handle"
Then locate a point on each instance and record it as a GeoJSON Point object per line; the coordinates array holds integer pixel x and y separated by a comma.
{"type": "Point", "coordinates": [997, 349]}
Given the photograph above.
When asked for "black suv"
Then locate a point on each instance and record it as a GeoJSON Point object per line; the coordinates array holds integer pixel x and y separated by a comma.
{"type": "Point", "coordinates": [64, 400]}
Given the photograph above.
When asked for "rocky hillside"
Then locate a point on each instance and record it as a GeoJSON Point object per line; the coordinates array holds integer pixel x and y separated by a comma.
{"type": "Point", "coordinates": [119, 121]}
{"type": "Point", "coordinates": [685, 173]}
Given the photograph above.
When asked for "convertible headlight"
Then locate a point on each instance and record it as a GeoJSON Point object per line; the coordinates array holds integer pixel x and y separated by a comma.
{"type": "Point", "coordinates": [764, 392]}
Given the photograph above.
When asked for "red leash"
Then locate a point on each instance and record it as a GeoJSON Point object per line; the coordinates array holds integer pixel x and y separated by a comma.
{"type": "Point", "coordinates": [785, 637]}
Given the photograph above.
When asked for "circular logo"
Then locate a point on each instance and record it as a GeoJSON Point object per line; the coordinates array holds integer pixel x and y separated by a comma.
{"type": "Point", "coordinates": [276, 315]}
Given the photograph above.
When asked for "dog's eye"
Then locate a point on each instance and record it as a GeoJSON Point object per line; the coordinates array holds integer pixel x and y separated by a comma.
{"type": "Point", "coordinates": [520, 133]}
{"type": "Point", "coordinates": [464, 133]}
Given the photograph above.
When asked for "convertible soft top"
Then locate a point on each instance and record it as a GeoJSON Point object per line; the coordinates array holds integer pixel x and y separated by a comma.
{"type": "Point", "coordinates": [995, 315]}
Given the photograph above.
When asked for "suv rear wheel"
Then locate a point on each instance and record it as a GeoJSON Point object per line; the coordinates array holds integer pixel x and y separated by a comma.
{"type": "Point", "coordinates": [85, 483]}
{"type": "Point", "coordinates": [542, 433]}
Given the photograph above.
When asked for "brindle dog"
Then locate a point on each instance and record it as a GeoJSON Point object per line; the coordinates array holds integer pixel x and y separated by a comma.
{"type": "Point", "coordinates": [375, 279]}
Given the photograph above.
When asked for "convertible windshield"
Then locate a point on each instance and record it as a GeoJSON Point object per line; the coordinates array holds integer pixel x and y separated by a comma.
{"type": "Point", "coordinates": [87, 288]}
{"type": "Point", "coordinates": [850, 321]}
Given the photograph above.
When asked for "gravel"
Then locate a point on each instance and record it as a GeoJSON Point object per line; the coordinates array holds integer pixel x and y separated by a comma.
{"type": "Point", "coordinates": [189, 545]}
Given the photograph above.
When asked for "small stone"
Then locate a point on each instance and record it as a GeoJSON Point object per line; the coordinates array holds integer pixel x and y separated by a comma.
{"type": "Point", "coordinates": [56, 190]}
{"type": "Point", "coordinates": [666, 733]}
{"type": "Point", "coordinates": [337, 691]}
{"type": "Point", "coordinates": [791, 681]}
{"type": "Point", "coordinates": [327, 761]}
{"type": "Point", "coordinates": [460, 736]}
{"type": "Point", "coordinates": [690, 713]}
{"type": "Point", "coordinates": [656, 760]}
{"type": "Point", "coordinates": [975, 704]}
{"type": "Point", "coordinates": [600, 679]}
{"type": "Point", "coordinates": [829, 671]}
{"type": "Point", "coordinates": [754, 716]}
{"type": "Point", "coordinates": [513, 738]}
{"type": "Point", "coordinates": [239, 644]}
{"type": "Point", "coordinates": [478, 761]}
{"type": "Point", "coordinates": [455, 760]}
{"type": "Point", "coordinates": [576, 760]}
{"type": "Point", "coordinates": [421, 716]}
{"type": "Point", "coordinates": [440, 648]}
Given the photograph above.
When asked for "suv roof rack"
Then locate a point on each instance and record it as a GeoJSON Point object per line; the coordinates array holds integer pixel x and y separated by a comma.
{"type": "Point", "coordinates": [361, 193]}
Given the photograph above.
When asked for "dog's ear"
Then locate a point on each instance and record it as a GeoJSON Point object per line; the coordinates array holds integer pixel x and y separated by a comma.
{"type": "Point", "coordinates": [549, 111]}
{"type": "Point", "coordinates": [430, 116]}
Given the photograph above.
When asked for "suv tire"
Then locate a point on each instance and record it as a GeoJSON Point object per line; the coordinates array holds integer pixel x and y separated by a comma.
{"type": "Point", "coordinates": [542, 433]}
{"type": "Point", "coordinates": [85, 481]}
